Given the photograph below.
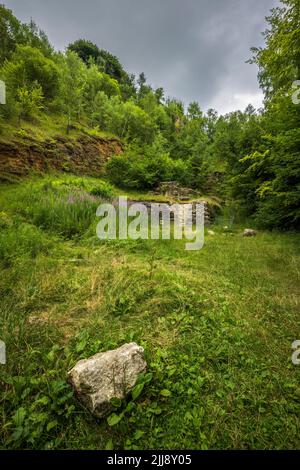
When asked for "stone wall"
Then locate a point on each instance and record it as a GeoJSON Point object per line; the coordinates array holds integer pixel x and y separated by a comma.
{"type": "Point", "coordinates": [180, 211]}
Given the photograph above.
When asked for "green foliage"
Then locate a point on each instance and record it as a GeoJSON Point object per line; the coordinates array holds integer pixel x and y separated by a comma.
{"type": "Point", "coordinates": [95, 187]}
{"type": "Point", "coordinates": [68, 212]}
{"type": "Point", "coordinates": [126, 120]}
{"type": "Point", "coordinates": [71, 86]}
{"type": "Point", "coordinates": [28, 66]}
{"type": "Point", "coordinates": [267, 174]}
{"type": "Point", "coordinates": [279, 60]}
{"type": "Point", "coordinates": [13, 33]}
{"type": "Point", "coordinates": [145, 168]}
{"type": "Point", "coordinates": [29, 102]}
{"type": "Point", "coordinates": [20, 240]}
{"type": "Point", "coordinates": [105, 62]}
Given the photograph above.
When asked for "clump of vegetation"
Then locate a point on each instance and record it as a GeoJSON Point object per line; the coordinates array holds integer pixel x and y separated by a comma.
{"type": "Point", "coordinates": [95, 187]}
{"type": "Point", "coordinates": [61, 206]}
{"type": "Point", "coordinates": [145, 171]}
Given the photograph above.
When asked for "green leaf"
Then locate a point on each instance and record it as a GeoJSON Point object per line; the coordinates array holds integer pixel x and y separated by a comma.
{"type": "Point", "coordinates": [52, 425]}
{"type": "Point", "coordinates": [116, 402]}
{"type": "Point", "coordinates": [137, 390]}
{"type": "Point", "coordinates": [138, 434]}
{"type": "Point", "coordinates": [81, 346]}
{"type": "Point", "coordinates": [19, 416]}
{"type": "Point", "coordinates": [165, 393]}
{"type": "Point", "coordinates": [17, 434]}
{"type": "Point", "coordinates": [114, 419]}
{"type": "Point", "coordinates": [130, 406]}
{"type": "Point", "coordinates": [43, 400]}
{"type": "Point", "coordinates": [148, 377]}
{"type": "Point", "coordinates": [109, 445]}
{"type": "Point", "coordinates": [51, 356]}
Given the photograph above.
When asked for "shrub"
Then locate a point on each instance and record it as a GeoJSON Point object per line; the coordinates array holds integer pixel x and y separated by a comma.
{"type": "Point", "coordinates": [94, 187]}
{"type": "Point", "coordinates": [145, 171]}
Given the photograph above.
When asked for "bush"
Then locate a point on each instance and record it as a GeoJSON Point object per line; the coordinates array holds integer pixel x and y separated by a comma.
{"type": "Point", "coordinates": [126, 120]}
{"type": "Point", "coordinates": [94, 187]}
{"type": "Point", "coordinates": [147, 170]}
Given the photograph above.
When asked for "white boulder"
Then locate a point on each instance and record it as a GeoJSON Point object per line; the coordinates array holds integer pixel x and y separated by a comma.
{"type": "Point", "coordinates": [107, 375]}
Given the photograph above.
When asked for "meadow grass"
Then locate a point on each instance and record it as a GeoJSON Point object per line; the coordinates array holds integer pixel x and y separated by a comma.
{"type": "Point", "coordinates": [217, 327]}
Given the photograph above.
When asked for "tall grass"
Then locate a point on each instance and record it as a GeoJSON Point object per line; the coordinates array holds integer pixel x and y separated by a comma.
{"type": "Point", "coordinates": [59, 207]}
{"type": "Point", "coordinates": [217, 326]}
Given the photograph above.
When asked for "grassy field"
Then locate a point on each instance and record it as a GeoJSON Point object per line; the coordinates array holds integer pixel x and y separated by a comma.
{"type": "Point", "coordinates": [216, 324]}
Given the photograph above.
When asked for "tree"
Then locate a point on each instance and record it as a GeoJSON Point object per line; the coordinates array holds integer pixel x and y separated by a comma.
{"type": "Point", "coordinates": [194, 111]}
{"type": "Point", "coordinates": [277, 157]}
{"type": "Point", "coordinates": [105, 61]}
{"type": "Point", "coordinates": [73, 80]}
{"type": "Point", "coordinates": [10, 33]}
{"type": "Point", "coordinates": [29, 102]}
{"type": "Point", "coordinates": [96, 82]}
{"type": "Point", "coordinates": [159, 94]}
{"type": "Point", "coordinates": [14, 33]}
{"type": "Point", "coordinates": [279, 60]}
{"type": "Point", "coordinates": [86, 50]}
{"type": "Point", "coordinates": [27, 66]}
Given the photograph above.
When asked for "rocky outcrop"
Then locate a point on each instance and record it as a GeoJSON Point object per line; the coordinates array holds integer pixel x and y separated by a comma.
{"type": "Point", "coordinates": [85, 155]}
{"type": "Point", "coordinates": [107, 375]}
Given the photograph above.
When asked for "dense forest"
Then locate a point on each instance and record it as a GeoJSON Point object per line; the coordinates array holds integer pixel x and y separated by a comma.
{"type": "Point", "coordinates": [249, 158]}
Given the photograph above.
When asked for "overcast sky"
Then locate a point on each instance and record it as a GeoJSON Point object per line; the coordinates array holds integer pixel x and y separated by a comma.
{"type": "Point", "coordinates": [195, 49]}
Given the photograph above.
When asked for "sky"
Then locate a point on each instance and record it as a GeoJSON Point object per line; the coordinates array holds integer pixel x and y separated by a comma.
{"type": "Point", "coordinates": [195, 49]}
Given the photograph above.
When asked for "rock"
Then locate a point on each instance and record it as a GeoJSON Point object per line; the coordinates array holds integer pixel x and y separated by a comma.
{"type": "Point", "coordinates": [87, 155]}
{"type": "Point", "coordinates": [106, 375]}
{"type": "Point", "coordinates": [248, 232]}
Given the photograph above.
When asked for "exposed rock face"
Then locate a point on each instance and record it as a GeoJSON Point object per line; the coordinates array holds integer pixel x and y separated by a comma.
{"type": "Point", "coordinates": [86, 155]}
{"type": "Point", "coordinates": [248, 232]}
{"type": "Point", "coordinates": [106, 375]}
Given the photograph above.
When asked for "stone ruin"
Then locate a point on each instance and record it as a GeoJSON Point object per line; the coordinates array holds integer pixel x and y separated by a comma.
{"type": "Point", "coordinates": [173, 189]}
{"type": "Point", "coordinates": [180, 211]}
{"type": "Point", "coordinates": [174, 194]}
